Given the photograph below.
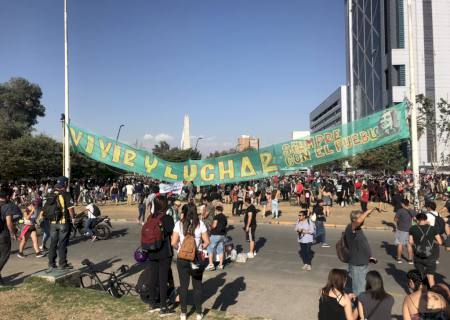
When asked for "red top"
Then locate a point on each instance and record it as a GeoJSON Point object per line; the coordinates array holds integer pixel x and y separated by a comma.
{"type": "Point", "coordinates": [365, 195]}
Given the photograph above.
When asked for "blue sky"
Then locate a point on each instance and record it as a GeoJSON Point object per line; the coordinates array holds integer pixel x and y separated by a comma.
{"type": "Point", "coordinates": [237, 66]}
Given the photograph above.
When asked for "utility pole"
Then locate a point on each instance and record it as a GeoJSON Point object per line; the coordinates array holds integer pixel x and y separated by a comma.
{"type": "Point", "coordinates": [412, 98]}
{"type": "Point", "coordinates": [66, 98]}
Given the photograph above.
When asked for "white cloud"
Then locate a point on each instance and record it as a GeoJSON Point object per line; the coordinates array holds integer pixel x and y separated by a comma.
{"type": "Point", "coordinates": [163, 137]}
{"type": "Point", "coordinates": [148, 136]}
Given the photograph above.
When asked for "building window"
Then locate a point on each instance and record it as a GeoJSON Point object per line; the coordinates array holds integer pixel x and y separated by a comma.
{"type": "Point", "coordinates": [400, 25]}
{"type": "Point", "coordinates": [400, 76]}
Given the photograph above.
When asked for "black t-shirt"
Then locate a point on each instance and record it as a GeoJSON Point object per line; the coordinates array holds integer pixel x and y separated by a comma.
{"type": "Point", "coordinates": [447, 205]}
{"type": "Point", "coordinates": [320, 215]}
{"type": "Point", "coordinates": [221, 228]}
{"type": "Point", "coordinates": [418, 231]}
{"type": "Point", "coordinates": [6, 209]}
{"type": "Point", "coordinates": [404, 219]}
{"type": "Point", "coordinates": [359, 246]}
{"type": "Point", "coordinates": [397, 200]}
{"type": "Point", "coordinates": [166, 249]}
{"type": "Point", "coordinates": [250, 210]}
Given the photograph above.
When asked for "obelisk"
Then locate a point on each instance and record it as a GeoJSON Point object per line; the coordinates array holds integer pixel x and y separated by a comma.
{"type": "Point", "coordinates": [186, 137]}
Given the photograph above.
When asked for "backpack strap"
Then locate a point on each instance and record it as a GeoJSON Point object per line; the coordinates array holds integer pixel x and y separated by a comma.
{"type": "Point", "coordinates": [374, 309]}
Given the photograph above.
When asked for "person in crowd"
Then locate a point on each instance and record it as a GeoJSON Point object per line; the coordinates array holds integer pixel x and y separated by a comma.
{"type": "Point", "coordinates": [424, 239]}
{"type": "Point", "coordinates": [334, 303]}
{"type": "Point", "coordinates": [375, 303]}
{"type": "Point", "coordinates": [263, 202]}
{"type": "Point", "coordinates": [130, 190]}
{"type": "Point", "coordinates": [59, 210]}
{"type": "Point", "coordinates": [6, 229]}
{"type": "Point", "coordinates": [360, 253]}
{"type": "Point", "coordinates": [422, 303]}
{"type": "Point", "coordinates": [305, 229]}
{"type": "Point", "coordinates": [298, 190]}
{"type": "Point", "coordinates": [234, 199]}
{"type": "Point", "coordinates": [190, 224]}
{"type": "Point", "coordinates": [320, 235]}
{"type": "Point", "coordinates": [29, 231]}
{"type": "Point", "coordinates": [173, 210]}
{"type": "Point", "coordinates": [114, 193]}
{"type": "Point", "coordinates": [275, 202]}
{"type": "Point", "coordinates": [141, 211]}
{"type": "Point", "coordinates": [160, 260]}
{"type": "Point", "coordinates": [218, 235]}
{"type": "Point", "coordinates": [92, 212]}
{"type": "Point", "coordinates": [403, 218]}
{"type": "Point", "coordinates": [327, 194]}
{"type": "Point", "coordinates": [208, 212]}
{"type": "Point", "coordinates": [364, 200]}
{"type": "Point", "coordinates": [250, 227]}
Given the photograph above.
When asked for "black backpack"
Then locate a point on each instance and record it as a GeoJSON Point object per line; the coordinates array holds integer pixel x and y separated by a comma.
{"type": "Point", "coordinates": [439, 223]}
{"type": "Point", "coordinates": [424, 249]}
{"type": "Point", "coordinates": [52, 208]}
{"type": "Point", "coordinates": [96, 212]}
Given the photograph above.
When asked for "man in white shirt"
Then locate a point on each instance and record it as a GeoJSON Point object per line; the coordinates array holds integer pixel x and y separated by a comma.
{"type": "Point", "coordinates": [92, 212]}
{"type": "Point", "coordinates": [432, 213]}
{"type": "Point", "coordinates": [130, 189]}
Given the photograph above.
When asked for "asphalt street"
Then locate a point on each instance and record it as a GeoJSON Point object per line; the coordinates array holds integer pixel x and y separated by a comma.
{"type": "Point", "coordinates": [271, 285]}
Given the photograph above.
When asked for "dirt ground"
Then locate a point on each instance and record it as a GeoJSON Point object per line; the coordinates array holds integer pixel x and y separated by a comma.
{"type": "Point", "coordinates": [288, 214]}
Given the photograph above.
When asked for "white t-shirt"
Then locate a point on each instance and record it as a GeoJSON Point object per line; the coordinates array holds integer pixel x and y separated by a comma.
{"type": "Point", "coordinates": [201, 228]}
{"type": "Point", "coordinates": [129, 188]}
{"type": "Point", "coordinates": [90, 212]}
{"type": "Point", "coordinates": [431, 218]}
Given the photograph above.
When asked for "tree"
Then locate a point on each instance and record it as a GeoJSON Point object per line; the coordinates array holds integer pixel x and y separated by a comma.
{"type": "Point", "coordinates": [165, 152]}
{"type": "Point", "coordinates": [386, 159]}
{"type": "Point", "coordinates": [20, 106]}
{"type": "Point", "coordinates": [216, 153]}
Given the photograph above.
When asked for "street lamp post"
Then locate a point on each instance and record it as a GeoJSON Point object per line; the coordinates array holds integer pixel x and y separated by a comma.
{"type": "Point", "coordinates": [412, 98]}
{"type": "Point", "coordinates": [196, 143]}
{"type": "Point", "coordinates": [118, 132]}
{"type": "Point", "coordinates": [66, 97]}
{"type": "Point", "coordinates": [62, 119]}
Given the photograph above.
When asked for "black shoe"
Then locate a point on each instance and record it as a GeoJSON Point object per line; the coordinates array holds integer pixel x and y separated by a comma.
{"type": "Point", "coordinates": [66, 266]}
{"type": "Point", "coordinates": [165, 312]}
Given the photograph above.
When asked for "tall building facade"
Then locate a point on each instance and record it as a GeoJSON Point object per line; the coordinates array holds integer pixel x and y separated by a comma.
{"type": "Point", "coordinates": [331, 112]}
{"type": "Point", "coordinates": [378, 58]}
{"type": "Point", "coordinates": [246, 142]}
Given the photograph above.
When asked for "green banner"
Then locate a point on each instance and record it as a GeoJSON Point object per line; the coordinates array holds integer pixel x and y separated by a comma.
{"type": "Point", "coordinates": [340, 142]}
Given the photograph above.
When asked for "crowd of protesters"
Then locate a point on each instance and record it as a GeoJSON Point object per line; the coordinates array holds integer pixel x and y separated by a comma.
{"type": "Point", "coordinates": [421, 232]}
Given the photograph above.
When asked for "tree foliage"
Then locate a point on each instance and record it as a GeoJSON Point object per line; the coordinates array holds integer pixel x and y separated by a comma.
{"type": "Point", "coordinates": [20, 107]}
{"type": "Point", "coordinates": [165, 152]}
{"type": "Point", "coordinates": [386, 159]}
{"type": "Point", "coordinates": [216, 153]}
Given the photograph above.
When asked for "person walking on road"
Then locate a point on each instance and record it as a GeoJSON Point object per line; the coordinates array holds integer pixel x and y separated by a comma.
{"type": "Point", "coordinates": [403, 219]}
{"type": "Point", "coordinates": [6, 229]}
{"type": "Point", "coordinates": [250, 227]}
{"type": "Point", "coordinates": [425, 241]}
{"type": "Point", "coordinates": [59, 210]}
{"type": "Point", "coordinates": [305, 229]}
{"type": "Point", "coordinates": [360, 253]}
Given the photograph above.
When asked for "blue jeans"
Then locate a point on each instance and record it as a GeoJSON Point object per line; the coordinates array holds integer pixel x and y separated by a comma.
{"type": "Point", "coordinates": [275, 209]}
{"type": "Point", "coordinates": [60, 235]}
{"type": "Point", "coordinates": [45, 226]}
{"type": "Point", "coordinates": [306, 253]}
{"type": "Point", "coordinates": [358, 276]}
{"type": "Point", "coordinates": [320, 232]}
{"type": "Point", "coordinates": [217, 242]}
{"type": "Point", "coordinates": [87, 227]}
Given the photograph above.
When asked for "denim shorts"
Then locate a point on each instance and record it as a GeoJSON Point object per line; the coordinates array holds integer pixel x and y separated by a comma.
{"type": "Point", "coordinates": [401, 237]}
{"type": "Point", "coordinates": [216, 244]}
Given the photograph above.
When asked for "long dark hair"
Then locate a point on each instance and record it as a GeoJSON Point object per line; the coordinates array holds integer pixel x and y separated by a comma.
{"type": "Point", "coordinates": [417, 279]}
{"type": "Point", "coordinates": [336, 280]}
{"type": "Point", "coordinates": [190, 219]}
{"type": "Point", "coordinates": [159, 205]}
{"type": "Point", "coordinates": [374, 285]}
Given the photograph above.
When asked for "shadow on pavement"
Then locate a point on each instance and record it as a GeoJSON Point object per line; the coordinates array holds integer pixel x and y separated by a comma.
{"type": "Point", "coordinates": [260, 243]}
{"type": "Point", "coordinates": [389, 224]}
{"type": "Point", "coordinates": [229, 294]}
{"type": "Point", "coordinates": [399, 276]}
{"type": "Point", "coordinates": [14, 279]}
{"type": "Point", "coordinates": [119, 233]}
{"type": "Point", "coordinates": [212, 285]}
{"type": "Point", "coordinates": [391, 249]}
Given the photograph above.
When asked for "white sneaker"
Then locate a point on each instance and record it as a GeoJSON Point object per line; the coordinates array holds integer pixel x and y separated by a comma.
{"type": "Point", "coordinates": [199, 316]}
{"type": "Point", "coordinates": [182, 316]}
{"type": "Point", "coordinates": [308, 267]}
{"type": "Point", "coordinates": [250, 255]}
{"type": "Point", "coordinates": [210, 267]}
{"type": "Point", "coordinates": [304, 267]}
{"type": "Point", "coordinates": [325, 245]}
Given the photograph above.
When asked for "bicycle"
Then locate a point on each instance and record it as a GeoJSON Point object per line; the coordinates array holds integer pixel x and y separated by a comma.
{"type": "Point", "coordinates": [113, 284]}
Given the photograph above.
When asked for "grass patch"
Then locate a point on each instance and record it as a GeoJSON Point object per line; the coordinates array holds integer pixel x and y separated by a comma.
{"type": "Point", "coordinates": [39, 299]}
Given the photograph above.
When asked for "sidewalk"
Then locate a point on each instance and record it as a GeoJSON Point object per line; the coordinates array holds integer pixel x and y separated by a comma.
{"type": "Point", "coordinates": [288, 215]}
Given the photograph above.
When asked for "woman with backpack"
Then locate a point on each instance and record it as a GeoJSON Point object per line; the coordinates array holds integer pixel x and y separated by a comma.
{"type": "Point", "coordinates": [375, 303]}
{"type": "Point", "coordinates": [422, 303]}
{"type": "Point", "coordinates": [189, 237]}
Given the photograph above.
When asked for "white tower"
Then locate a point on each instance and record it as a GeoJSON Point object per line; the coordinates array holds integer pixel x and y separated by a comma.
{"type": "Point", "coordinates": [185, 136]}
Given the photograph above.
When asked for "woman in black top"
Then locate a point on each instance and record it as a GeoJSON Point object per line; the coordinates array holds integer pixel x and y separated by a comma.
{"type": "Point", "coordinates": [334, 304]}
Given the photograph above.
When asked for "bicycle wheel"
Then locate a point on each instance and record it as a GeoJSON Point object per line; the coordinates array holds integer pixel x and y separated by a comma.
{"type": "Point", "coordinates": [90, 281]}
{"type": "Point", "coordinates": [116, 288]}
{"type": "Point", "coordinates": [102, 232]}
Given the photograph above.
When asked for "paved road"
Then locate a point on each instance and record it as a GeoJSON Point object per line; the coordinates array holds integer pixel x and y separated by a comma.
{"type": "Point", "coordinates": [271, 285]}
